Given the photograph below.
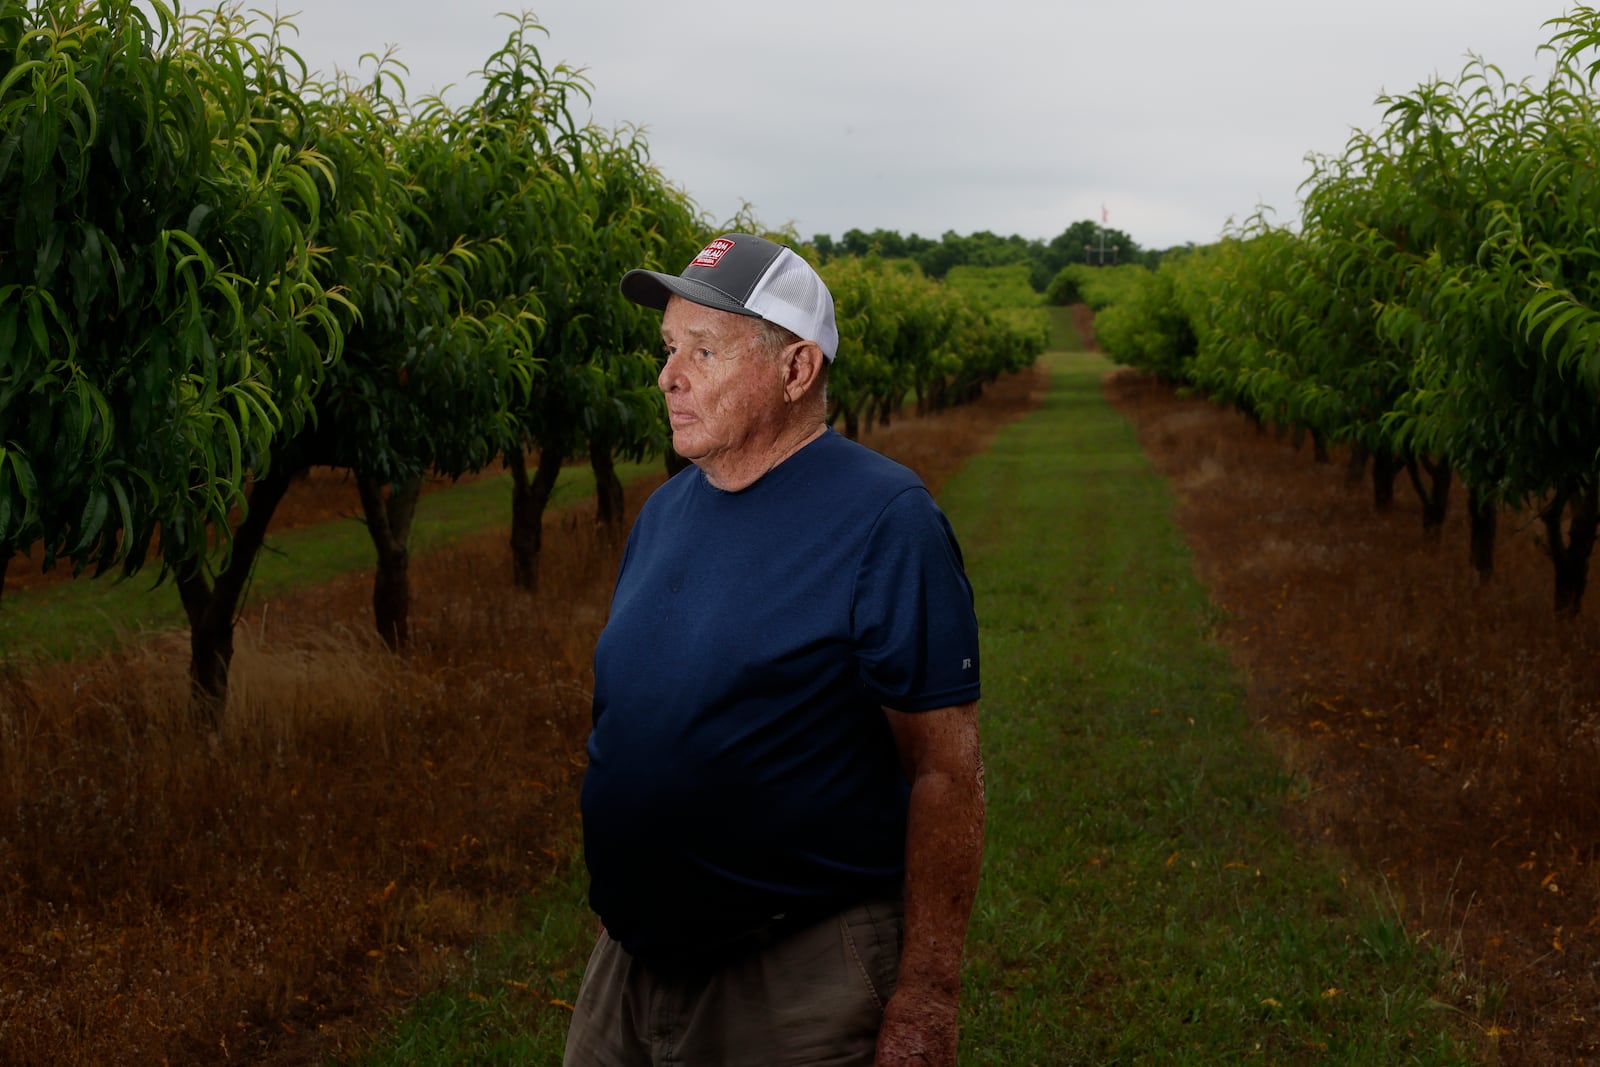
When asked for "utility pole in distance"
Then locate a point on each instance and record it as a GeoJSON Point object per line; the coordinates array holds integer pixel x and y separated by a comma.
{"type": "Point", "coordinates": [1089, 251]}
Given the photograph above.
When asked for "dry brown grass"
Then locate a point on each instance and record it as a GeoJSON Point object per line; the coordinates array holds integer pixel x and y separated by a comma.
{"type": "Point", "coordinates": [266, 894]}
{"type": "Point", "coordinates": [174, 897]}
{"type": "Point", "coordinates": [1447, 730]}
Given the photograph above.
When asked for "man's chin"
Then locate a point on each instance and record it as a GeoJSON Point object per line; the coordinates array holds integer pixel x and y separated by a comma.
{"type": "Point", "coordinates": [686, 446]}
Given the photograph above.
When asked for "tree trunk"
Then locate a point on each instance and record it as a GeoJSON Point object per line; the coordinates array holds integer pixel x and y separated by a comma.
{"type": "Point", "coordinates": [212, 605]}
{"type": "Point", "coordinates": [1319, 447]}
{"type": "Point", "coordinates": [8, 551]}
{"type": "Point", "coordinates": [528, 501]}
{"type": "Point", "coordinates": [1570, 553]}
{"type": "Point", "coordinates": [389, 523]}
{"type": "Point", "coordinates": [1356, 469]}
{"type": "Point", "coordinates": [852, 424]}
{"type": "Point", "coordinates": [210, 647]}
{"type": "Point", "coordinates": [609, 501]}
{"type": "Point", "coordinates": [1482, 519]}
{"type": "Point", "coordinates": [1434, 493]}
{"type": "Point", "coordinates": [1384, 469]}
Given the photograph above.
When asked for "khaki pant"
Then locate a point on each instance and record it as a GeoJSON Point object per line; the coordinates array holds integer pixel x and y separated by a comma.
{"type": "Point", "coordinates": [815, 997]}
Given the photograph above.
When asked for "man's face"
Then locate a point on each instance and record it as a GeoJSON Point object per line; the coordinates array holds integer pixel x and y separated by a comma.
{"type": "Point", "coordinates": [723, 391]}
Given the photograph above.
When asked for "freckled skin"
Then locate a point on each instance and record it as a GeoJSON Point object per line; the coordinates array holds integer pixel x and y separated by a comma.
{"type": "Point", "coordinates": [736, 410]}
{"type": "Point", "coordinates": [944, 853]}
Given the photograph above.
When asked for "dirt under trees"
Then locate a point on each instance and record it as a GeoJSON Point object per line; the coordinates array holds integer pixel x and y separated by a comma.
{"type": "Point", "coordinates": [1443, 728]}
{"type": "Point", "coordinates": [1441, 731]}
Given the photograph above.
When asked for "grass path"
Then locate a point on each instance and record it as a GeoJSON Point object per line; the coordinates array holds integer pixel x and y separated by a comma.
{"type": "Point", "coordinates": [1141, 900]}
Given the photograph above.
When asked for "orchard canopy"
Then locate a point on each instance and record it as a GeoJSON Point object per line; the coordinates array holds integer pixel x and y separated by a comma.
{"type": "Point", "coordinates": [218, 269]}
{"type": "Point", "coordinates": [1437, 309]}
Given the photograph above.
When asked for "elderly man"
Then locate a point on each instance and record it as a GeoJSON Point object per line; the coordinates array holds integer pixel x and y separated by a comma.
{"type": "Point", "coordinates": [783, 811]}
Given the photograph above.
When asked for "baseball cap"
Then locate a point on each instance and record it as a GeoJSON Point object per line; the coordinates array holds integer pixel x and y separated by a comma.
{"type": "Point", "coordinates": [747, 275]}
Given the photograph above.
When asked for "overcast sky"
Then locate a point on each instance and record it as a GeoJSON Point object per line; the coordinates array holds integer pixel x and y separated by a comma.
{"type": "Point", "coordinates": [1001, 115]}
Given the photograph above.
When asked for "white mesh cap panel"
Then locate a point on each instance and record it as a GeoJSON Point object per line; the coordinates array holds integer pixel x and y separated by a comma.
{"type": "Point", "coordinates": [793, 296]}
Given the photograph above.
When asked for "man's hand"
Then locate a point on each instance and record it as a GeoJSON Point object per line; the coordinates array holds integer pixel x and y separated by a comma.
{"type": "Point", "coordinates": [919, 1030]}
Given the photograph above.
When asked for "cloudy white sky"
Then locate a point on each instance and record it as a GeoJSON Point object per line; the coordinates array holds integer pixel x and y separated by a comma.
{"type": "Point", "coordinates": [1002, 115]}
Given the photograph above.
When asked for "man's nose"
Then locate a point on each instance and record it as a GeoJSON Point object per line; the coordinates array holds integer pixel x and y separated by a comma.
{"type": "Point", "coordinates": [671, 373]}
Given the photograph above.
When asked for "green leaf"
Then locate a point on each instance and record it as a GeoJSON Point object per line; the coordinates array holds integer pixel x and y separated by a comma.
{"type": "Point", "coordinates": [93, 520]}
{"type": "Point", "coordinates": [124, 508]}
{"type": "Point", "coordinates": [36, 326]}
{"type": "Point", "coordinates": [18, 72]}
{"type": "Point", "coordinates": [197, 217]}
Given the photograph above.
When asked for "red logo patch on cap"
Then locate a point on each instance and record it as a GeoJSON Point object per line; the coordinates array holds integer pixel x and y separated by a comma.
{"type": "Point", "coordinates": [712, 253]}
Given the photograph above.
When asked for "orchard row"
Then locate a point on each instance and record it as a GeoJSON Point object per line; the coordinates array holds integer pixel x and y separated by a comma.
{"type": "Point", "coordinates": [218, 270]}
{"type": "Point", "coordinates": [1437, 309]}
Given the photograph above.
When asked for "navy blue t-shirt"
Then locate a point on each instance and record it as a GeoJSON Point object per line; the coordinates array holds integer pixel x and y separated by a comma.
{"type": "Point", "coordinates": [740, 764]}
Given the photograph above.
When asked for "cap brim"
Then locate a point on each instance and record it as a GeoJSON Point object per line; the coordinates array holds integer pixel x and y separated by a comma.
{"type": "Point", "coordinates": [653, 289]}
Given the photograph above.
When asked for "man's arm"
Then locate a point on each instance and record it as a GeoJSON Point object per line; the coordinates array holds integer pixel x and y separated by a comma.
{"type": "Point", "coordinates": [944, 850]}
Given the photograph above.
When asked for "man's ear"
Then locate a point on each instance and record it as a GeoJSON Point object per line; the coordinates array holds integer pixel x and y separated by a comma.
{"type": "Point", "coordinates": [804, 370]}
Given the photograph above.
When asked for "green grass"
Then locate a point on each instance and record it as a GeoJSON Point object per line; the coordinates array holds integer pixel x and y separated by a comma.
{"type": "Point", "coordinates": [86, 616]}
{"type": "Point", "coordinates": [1140, 902]}
{"type": "Point", "coordinates": [514, 1004]}
{"type": "Point", "coordinates": [1063, 335]}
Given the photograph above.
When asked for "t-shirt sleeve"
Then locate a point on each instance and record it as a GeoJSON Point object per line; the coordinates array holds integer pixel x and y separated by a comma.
{"type": "Point", "coordinates": [912, 616]}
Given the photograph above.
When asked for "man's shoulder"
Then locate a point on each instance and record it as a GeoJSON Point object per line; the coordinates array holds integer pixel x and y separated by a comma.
{"type": "Point", "coordinates": [855, 460]}
{"type": "Point", "coordinates": [667, 502]}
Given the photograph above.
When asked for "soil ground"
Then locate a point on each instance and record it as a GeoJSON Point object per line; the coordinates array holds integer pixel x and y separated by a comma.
{"type": "Point", "coordinates": [270, 892]}
{"type": "Point", "coordinates": [1401, 727]}
{"type": "Point", "coordinates": [1443, 729]}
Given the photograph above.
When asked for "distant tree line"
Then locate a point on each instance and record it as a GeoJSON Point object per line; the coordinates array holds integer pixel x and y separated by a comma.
{"type": "Point", "coordinates": [1080, 243]}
